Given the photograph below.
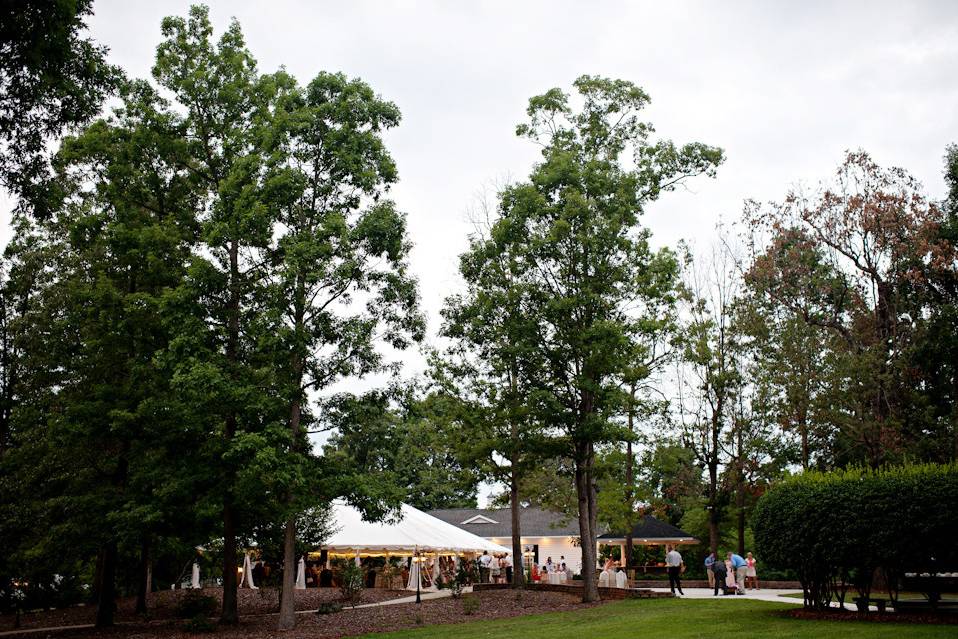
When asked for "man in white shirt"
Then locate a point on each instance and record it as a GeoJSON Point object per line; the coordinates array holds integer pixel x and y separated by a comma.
{"type": "Point", "coordinates": [507, 565]}
{"type": "Point", "coordinates": [673, 561]}
{"type": "Point", "coordinates": [484, 562]}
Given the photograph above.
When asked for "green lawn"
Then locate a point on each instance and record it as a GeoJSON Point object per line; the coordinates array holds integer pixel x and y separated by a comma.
{"type": "Point", "coordinates": [675, 619]}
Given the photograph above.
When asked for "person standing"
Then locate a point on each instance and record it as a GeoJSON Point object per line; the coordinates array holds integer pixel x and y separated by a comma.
{"type": "Point", "coordinates": [484, 563]}
{"type": "Point", "coordinates": [709, 569]}
{"type": "Point", "coordinates": [750, 573]}
{"type": "Point", "coordinates": [718, 574]}
{"type": "Point", "coordinates": [739, 566]}
{"type": "Point", "coordinates": [673, 561]}
{"type": "Point", "coordinates": [507, 565]}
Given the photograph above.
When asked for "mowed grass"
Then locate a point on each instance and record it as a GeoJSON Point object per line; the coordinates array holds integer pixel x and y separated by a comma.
{"type": "Point", "coordinates": [675, 619]}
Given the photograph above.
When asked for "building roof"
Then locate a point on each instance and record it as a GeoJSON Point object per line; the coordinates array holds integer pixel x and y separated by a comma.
{"type": "Point", "coordinates": [533, 522]}
{"type": "Point", "coordinates": [652, 530]}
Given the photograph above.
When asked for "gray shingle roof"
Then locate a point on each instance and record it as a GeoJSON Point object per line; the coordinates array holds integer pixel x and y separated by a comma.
{"type": "Point", "coordinates": [533, 522]}
{"type": "Point", "coordinates": [651, 528]}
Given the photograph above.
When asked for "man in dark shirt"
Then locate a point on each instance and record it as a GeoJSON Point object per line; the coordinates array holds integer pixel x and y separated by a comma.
{"type": "Point", "coordinates": [718, 568]}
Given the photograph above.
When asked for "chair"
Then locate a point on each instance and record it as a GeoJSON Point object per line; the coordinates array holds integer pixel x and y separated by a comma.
{"type": "Point", "coordinates": [620, 580]}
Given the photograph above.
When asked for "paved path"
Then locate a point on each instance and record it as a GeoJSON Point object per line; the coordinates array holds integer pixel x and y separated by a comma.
{"type": "Point", "coordinates": [424, 595]}
{"type": "Point", "coordinates": [778, 596]}
{"type": "Point", "coordinates": [25, 631]}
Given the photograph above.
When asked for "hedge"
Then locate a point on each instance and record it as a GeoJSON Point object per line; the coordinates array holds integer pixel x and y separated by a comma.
{"type": "Point", "coordinates": [840, 530]}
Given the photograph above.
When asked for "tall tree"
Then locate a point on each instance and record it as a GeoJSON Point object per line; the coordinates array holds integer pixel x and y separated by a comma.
{"type": "Point", "coordinates": [339, 284]}
{"type": "Point", "coordinates": [119, 237]}
{"type": "Point", "coordinates": [587, 262]}
{"type": "Point", "coordinates": [490, 365]}
{"type": "Point", "coordinates": [710, 375]}
{"type": "Point", "coordinates": [227, 108]}
{"type": "Point", "coordinates": [862, 260]}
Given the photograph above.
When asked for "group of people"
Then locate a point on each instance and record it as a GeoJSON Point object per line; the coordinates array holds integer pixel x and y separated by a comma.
{"type": "Point", "coordinates": [495, 569]}
{"type": "Point", "coordinates": [734, 575]}
{"type": "Point", "coordinates": [498, 569]}
{"type": "Point", "coordinates": [540, 573]}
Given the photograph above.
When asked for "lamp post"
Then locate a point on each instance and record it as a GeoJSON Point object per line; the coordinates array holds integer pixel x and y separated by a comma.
{"type": "Point", "coordinates": [417, 561]}
{"type": "Point", "coordinates": [19, 595]}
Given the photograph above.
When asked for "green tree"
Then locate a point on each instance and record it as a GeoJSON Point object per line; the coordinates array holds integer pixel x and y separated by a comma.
{"type": "Point", "coordinates": [218, 365]}
{"type": "Point", "coordinates": [119, 237]}
{"type": "Point", "coordinates": [588, 263]}
{"type": "Point", "coordinates": [491, 364]}
{"type": "Point", "coordinates": [411, 443]}
{"type": "Point", "coordinates": [51, 80]}
{"type": "Point", "coordinates": [339, 282]}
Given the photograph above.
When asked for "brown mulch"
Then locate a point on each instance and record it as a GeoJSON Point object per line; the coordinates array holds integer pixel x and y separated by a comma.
{"type": "Point", "coordinates": [886, 617]}
{"type": "Point", "coordinates": [496, 604]}
{"type": "Point", "coordinates": [162, 605]}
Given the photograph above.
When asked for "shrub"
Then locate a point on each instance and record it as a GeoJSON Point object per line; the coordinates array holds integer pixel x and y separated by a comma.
{"type": "Point", "coordinates": [352, 584]}
{"type": "Point", "coordinates": [194, 604]}
{"type": "Point", "coordinates": [471, 605]}
{"type": "Point", "coordinates": [200, 623]}
{"type": "Point", "coordinates": [329, 607]}
{"type": "Point", "coordinates": [836, 530]}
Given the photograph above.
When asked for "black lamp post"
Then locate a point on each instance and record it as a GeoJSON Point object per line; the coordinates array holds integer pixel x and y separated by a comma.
{"type": "Point", "coordinates": [418, 561]}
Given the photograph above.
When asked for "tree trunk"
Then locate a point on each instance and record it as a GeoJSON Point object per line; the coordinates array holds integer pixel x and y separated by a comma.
{"type": "Point", "coordinates": [713, 529]}
{"type": "Point", "coordinates": [230, 611]}
{"type": "Point", "coordinates": [629, 483]}
{"type": "Point", "coordinates": [287, 600]}
{"type": "Point", "coordinates": [518, 561]}
{"type": "Point", "coordinates": [106, 589]}
{"type": "Point", "coordinates": [143, 576]}
{"type": "Point", "coordinates": [587, 538]}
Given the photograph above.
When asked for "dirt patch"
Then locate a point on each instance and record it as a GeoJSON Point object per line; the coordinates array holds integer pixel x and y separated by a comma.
{"type": "Point", "coordinates": [484, 606]}
{"type": "Point", "coordinates": [162, 606]}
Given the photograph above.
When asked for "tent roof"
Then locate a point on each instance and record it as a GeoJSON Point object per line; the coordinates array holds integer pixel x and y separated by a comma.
{"type": "Point", "coordinates": [414, 530]}
{"type": "Point", "coordinates": [653, 531]}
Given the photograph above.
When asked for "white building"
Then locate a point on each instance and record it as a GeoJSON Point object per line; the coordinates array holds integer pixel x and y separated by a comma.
{"type": "Point", "coordinates": [549, 534]}
{"type": "Point", "coordinates": [546, 534]}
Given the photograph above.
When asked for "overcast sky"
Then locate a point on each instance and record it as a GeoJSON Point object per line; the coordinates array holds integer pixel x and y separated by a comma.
{"type": "Point", "coordinates": [784, 88]}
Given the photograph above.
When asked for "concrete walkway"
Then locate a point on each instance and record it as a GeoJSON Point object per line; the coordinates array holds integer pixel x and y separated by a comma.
{"type": "Point", "coordinates": [30, 631]}
{"type": "Point", "coordinates": [775, 595]}
{"type": "Point", "coordinates": [423, 596]}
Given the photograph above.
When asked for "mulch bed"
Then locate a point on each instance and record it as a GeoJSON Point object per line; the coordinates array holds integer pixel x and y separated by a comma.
{"type": "Point", "coordinates": [162, 605]}
{"type": "Point", "coordinates": [887, 617]}
{"type": "Point", "coordinates": [491, 605]}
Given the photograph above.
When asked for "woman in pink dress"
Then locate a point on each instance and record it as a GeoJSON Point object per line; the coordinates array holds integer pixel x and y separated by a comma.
{"type": "Point", "coordinates": [730, 576]}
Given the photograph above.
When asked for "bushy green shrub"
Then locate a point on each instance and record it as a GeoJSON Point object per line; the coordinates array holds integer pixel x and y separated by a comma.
{"type": "Point", "coordinates": [194, 603]}
{"type": "Point", "coordinates": [329, 607]}
{"type": "Point", "coordinates": [352, 584]}
{"type": "Point", "coordinates": [835, 530]}
{"type": "Point", "coordinates": [471, 605]}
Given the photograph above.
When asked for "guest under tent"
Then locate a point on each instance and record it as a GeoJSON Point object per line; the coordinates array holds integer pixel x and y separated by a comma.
{"type": "Point", "coordinates": [415, 538]}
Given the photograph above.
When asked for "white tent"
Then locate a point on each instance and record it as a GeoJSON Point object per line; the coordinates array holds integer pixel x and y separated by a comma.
{"type": "Point", "coordinates": [414, 532]}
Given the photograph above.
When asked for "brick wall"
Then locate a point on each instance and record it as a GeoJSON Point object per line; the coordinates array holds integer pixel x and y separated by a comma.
{"type": "Point", "coordinates": [575, 589]}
